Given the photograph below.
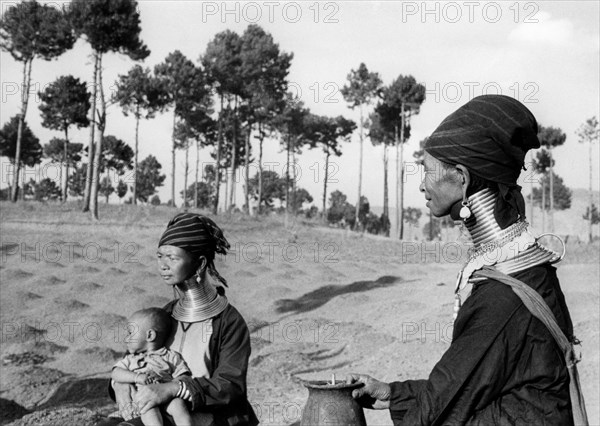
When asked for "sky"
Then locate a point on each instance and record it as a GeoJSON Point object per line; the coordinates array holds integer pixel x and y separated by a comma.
{"type": "Point", "coordinates": [544, 53]}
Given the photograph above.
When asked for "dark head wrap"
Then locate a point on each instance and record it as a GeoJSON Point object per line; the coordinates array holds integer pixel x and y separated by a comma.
{"type": "Point", "coordinates": [198, 235]}
{"type": "Point", "coordinates": [490, 135]}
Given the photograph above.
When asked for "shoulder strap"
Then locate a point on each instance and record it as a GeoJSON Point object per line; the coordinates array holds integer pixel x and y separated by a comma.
{"type": "Point", "coordinates": [539, 309]}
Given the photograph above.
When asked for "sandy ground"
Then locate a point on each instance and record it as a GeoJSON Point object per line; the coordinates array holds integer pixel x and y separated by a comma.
{"type": "Point", "coordinates": [317, 301]}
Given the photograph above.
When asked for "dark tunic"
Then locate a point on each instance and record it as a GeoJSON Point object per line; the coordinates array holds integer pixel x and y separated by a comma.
{"type": "Point", "coordinates": [224, 394]}
{"type": "Point", "coordinates": [503, 366]}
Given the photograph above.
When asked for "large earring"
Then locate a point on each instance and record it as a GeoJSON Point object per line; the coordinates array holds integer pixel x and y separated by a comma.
{"type": "Point", "coordinates": [465, 211]}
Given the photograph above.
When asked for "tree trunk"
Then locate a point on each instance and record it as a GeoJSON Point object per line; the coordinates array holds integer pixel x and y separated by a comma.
{"type": "Point", "coordinates": [107, 183]}
{"type": "Point", "coordinates": [88, 177]}
{"type": "Point", "coordinates": [551, 217]}
{"type": "Point", "coordinates": [196, 177]}
{"type": "Point", "coordinates": [234, 143]}
{"type": "Point", "coordinates": [543, 205]}
{"type": "Point", "coordinates": [401, 175]}
{"type": "Point", "coordinates": [327, 154]}
{"type": "Point", "coordinates": [135, 154]}
{"type": "Point", "coordinates": [360, 167]}
{"type": "Point", "coordinates": [218, 165]}
{"type": "Point", "coordinates": [24, 102]}
{"type": "Point", "coordinates": [231, 176]}
{"type": "Point", "coordinates": [227, 183]}
{"type": "Point", "coordinates": [185, 176]}
{"type": "Point", "coordinates": [60, 173]}
{"type": "Point", "coordinates": [260, 155]}
{"type": "Point", "coordinates": [532, 207]}
{"type": "Point", "coordinates": [98, 148]}
{"type": "Point", "coordinates": [23, 183]}
{"type": "Point", "coordinates": [386, 207]}
{"type": "Point", "coordinates": [247, 169]}
{"type": "Point", "coordinates": [397, 181]}
{"type": "Point", "coordinates": [173, 161]}
{"type": "Point", "coordinates": [227, 174]}
{"type": "Point", "coordinates": [591, 237]}
{"type": "Point", "coordinates": [233, 187]}
{"type": "Point", "coordinates": [65, 164]}
{"type": "Point", "coordinates": [287, 180]}
{"type": "Point", "coordinates": [294, 209]}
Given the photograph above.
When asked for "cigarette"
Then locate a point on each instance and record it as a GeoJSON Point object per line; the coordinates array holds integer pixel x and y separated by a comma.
{"type": "Point", "coordinates": [333, 378]}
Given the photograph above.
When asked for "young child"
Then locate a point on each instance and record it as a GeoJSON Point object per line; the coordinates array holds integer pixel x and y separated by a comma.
{"type": "Point", "coordinates": [149, 361]}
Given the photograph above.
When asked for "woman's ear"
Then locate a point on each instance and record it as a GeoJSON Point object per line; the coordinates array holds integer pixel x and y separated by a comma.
{"type": "Point", "coordinates": [202, 264]}
{"type": "Point", "coordinates": [465, 177]}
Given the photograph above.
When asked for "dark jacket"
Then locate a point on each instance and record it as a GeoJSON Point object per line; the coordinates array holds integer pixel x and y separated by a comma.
{"type": "Point", "coordinates": [224, 394]}
{"type": "Point", "coordinates": [503, 366]}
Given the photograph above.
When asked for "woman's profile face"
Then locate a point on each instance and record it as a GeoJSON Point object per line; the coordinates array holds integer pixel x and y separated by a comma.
{"type": "Point", "coordinates": [175, 265]}
{"type": "Point", "coordinates": [441, 190]}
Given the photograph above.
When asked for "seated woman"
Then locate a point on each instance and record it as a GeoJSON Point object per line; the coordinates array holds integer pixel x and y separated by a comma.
{"type": "Point", "coordinates": [503, 365]}
{"type": "Point", "coordinates": [207, 331]}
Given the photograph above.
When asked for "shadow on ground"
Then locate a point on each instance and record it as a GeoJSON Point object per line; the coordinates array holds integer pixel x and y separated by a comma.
{"type": "Point", "coordinates": [11, 411]}
{"type": "Point", "coordinates": [317, 298]}
{"type": "Point", "coordinates": [89, 393]}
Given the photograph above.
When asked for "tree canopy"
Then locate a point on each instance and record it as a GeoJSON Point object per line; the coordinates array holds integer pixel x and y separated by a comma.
{"type": "Point", "coordinates": [362, 86]}
{"type": "Point", "coordinates": [223, 62]}
{"type": "Point", "coordinates": [273, 188]}
{"type": "Point", "coordinates": [30, 29]}
{"type": "Point", "coordinates": [299, 198]}
{"type": "Point", "coordinates": [65, 103]}
{"type": "Point", "coordinates": [31, 150]}
{"type": "Point", "coordinates": [54, 150]}
{"type": "Point", "coordinates": [186, 84]}
{"type": "Point", "coordinates": [551, 137]}
{"type": "Point", "coordinates": [328, 132]}
{"type": "Point", "coordinates": [109, 26]}
{"type": "Point", "coordinates": [117, 155]}
{"type": "Point", "coordinates": [562, 194]}
{"type": "Point", "coordinates": [149, 178]}
{"type": "Point", "coordinates": [139, 93]}
{"type": "Point", "coordinates": [264, 70]}
{"type": "Point", "coordinates": [340, 209]}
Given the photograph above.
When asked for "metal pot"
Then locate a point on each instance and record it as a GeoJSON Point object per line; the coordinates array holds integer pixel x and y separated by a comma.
{"type": "Point", "coordinates": [332, 405]}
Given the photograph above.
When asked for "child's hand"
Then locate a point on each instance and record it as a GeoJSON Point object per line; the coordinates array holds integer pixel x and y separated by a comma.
{"type": "Point", "coordinates": [142, 379]}
{"type": "Point", "coordinates": [147, 378]}
{"type": "Point", "coordinates": [152, 378]}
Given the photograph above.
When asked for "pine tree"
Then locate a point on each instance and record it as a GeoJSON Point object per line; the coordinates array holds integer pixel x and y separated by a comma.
{"type": "Point", "coordinates": [29, 30]}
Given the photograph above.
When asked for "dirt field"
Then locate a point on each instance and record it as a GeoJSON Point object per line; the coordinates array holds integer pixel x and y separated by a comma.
{"type": "Point", "coordinates": [317, 300]}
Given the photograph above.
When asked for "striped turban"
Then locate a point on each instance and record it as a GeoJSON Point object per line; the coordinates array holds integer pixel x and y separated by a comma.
{"type": "Point", "coordinates": [489, 135]}
{"type": "Point", "coordinates": [197, 235]}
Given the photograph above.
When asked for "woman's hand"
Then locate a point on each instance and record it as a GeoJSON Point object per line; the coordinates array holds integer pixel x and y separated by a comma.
{"type": "Point", "coordinates": [153, 395]}
{"type": "Point", "coordinates": [374, 394]}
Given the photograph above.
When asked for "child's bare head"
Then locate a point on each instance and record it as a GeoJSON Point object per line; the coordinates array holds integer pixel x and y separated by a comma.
{"type": "Point", "coordinates": [149, 329]}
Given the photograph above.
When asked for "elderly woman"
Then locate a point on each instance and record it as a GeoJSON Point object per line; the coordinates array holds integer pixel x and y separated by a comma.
{"type": "Point", "coordinates": [208, 332]}
{"type": "Point", "coordinates": [503, 366]}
